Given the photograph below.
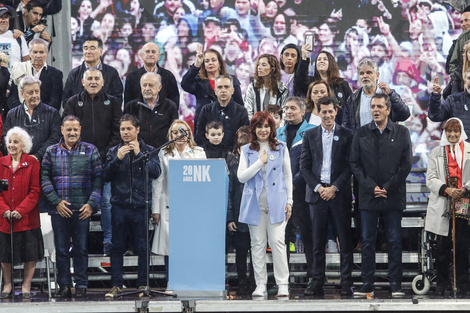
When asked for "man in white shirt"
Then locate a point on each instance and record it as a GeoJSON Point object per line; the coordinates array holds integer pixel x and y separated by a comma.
{"type": "Point", "coordinates": [15, 48]}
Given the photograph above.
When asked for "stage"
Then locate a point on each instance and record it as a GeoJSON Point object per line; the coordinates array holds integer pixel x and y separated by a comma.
{"type": "Point", "coordinates": [332, 302]}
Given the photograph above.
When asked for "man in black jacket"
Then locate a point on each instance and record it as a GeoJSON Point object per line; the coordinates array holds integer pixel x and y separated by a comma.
{"type": "Point", "coordinates": [380, 161]}
{"type": "Point", "coordinates": [99, 115]}
{"type": "Point", "coordinates": [154, 111]}
{"type": "Point", "coordinates": [92, 50]}
{"type": "Point", "coordinates": [40, 121]}
{"type": "Point", "coordinates": [127, 176]}
{"type": "Point", "coordinates": [50, 77]}
{"type": "Point", "coordinates": [150, 55]}
{"type": "Point", "coordinates": [231, 114]}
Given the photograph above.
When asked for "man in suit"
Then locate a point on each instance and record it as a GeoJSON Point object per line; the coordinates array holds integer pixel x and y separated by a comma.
{"type": "Point", "coordinates": [324, 164]}
{"type": "Point", "coordinates": [50, 77]}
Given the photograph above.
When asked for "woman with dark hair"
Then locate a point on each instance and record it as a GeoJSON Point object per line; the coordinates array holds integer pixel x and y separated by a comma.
{"type": "Point", "coordinates": [280, 30]}
{"type": "Point", "coordinates": [266, 203]}
{"type": "Point", "coordinates": [199, 80]}
{"type": "Point", "coordinates": [19, 206]}
{"type": "Point", "coordinates": [267, 87]}
{"type": "Point", "coordinates": [317, 90]}
{"type": "Point", "coordinates": [326, 69]}
{"type": "Point", "coordinates": [289, 61]}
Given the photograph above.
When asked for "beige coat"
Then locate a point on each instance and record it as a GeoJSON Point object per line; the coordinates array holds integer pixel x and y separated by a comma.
{"type": "Point", "coordinates": [160, 196]}
{"type": "Point", "coordinates": [435, 178]}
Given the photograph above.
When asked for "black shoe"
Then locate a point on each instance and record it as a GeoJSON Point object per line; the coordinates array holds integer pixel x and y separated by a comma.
{"type": "Point", "coordinates": [80, 293]}
{"type": "Point", "coordinates": [346, 290]}
{"type": "Point", "coordinates": [317, 291]}
{"type": "Point", "coordinates": [64, 293]}
{"type": "Point", "coordinates": [6, 295]}
{"type": "Point", "coordinates": [440, 291]}
{"type": "Point", "coordinates": [366, 289]}
{"type": "Point", "coordinates": [242, 288]}
{"type": "Point", "coordinates": [397, 291]}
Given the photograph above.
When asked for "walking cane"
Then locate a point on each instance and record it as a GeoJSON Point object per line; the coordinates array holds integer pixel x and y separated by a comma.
{"type": "Point", "coordinates": [11, 251]}
{"type": "Point", "coordinates": [454, 285]}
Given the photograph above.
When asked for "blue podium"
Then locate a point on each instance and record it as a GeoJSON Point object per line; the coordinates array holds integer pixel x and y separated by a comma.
{"type": "Point", "coordinates": [198, 213]}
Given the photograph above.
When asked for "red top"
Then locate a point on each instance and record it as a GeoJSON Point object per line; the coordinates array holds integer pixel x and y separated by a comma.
{"type": "Point", "coordinates": [23, 193]}
{"type": "Point", "coordinates": [212, 82]}
{"type": "Point", "coordinates": [454, 170]}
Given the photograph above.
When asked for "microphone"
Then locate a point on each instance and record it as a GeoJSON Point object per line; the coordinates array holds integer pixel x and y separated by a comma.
{"type": "Point", "coordinates": [183, 131]}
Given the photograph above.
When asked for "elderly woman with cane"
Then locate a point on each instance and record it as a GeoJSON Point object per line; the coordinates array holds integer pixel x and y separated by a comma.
{"type": "Point", "coordinates": [20, 232]}
{"type": "Point", "coordinates": [448, 179]}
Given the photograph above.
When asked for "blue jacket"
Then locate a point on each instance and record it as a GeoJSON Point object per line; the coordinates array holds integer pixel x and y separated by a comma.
{"type": "Point", "coordinates": [456, 105]}
{"type": "Point", "coordinates": [282, 133]}
{"type": "Point", "coordinates": [276, 189]}
{"type": "Point", "coordinates": [128, 178]}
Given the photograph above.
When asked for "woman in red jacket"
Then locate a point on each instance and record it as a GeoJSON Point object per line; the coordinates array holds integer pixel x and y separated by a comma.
{"type": "Point", "coordinates": [19, 205]}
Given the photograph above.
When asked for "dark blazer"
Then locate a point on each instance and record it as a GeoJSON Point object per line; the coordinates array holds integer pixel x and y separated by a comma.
{"type": "Point", "coordinates": [312, 158]}
{"type": "Point", "coordinates": [169, 90]}
{"type": "Point", "coordinates": [51, 88]}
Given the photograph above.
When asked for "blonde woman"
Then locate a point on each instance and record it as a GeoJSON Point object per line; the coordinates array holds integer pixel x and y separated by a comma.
{"type": "Point", "coordinates": [183, 148]}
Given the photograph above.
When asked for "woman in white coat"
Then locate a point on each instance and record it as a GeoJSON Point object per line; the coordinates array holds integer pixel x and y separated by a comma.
{"type": "Point", "coordinates": [456, 150]}
{"type": "Point", "coordinates": [184, 148]}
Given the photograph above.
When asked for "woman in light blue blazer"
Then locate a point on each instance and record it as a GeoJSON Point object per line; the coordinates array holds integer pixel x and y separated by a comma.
{"type": "Point", "coordinates": [266, 204]}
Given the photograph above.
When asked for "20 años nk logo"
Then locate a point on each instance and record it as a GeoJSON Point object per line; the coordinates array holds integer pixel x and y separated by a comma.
{"type": "Point", "coordinates": [196, 173]}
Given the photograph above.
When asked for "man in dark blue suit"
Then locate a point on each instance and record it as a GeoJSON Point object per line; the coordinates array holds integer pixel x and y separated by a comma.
{"type": "Point", "coordinates": [324, 164]}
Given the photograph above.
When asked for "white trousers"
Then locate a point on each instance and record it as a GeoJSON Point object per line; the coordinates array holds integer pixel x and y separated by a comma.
{"type": "Point", "coordinates": [274, 234]}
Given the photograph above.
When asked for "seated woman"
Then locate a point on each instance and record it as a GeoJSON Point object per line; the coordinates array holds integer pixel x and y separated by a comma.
{"type": "Point", "coordinates": [266, 203]}
{"type": "Point", "coordinates": [448, 178]}
{"type": "Point", "coordinates": [19, 207]}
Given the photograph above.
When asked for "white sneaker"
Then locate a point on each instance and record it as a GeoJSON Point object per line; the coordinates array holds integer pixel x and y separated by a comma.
{"type": "Point", "coordinates": [283, 290]}
{"type": "Point", "coordinates": [332, 246]}
{"type": "Point", "coordinates": [260, 291]}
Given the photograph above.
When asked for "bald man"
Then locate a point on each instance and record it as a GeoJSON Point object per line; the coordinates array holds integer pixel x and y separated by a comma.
{"type": "Point", "coordinates": [150, 55]}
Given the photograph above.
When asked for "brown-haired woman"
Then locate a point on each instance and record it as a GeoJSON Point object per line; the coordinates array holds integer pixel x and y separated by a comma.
{"type": "Point", "coordinates": [267, 87]}
{"type": "Point", "coordinates": [318, 89]}
{"type": "Point", "coordinates": [199, 80]}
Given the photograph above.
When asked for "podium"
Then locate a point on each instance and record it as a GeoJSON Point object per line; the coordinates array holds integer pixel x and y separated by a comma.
{"type": "Point", "coordinates": [198, 214]}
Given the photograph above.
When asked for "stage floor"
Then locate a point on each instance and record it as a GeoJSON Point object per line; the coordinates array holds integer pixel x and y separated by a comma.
{"type": "Point", "coordinates": [331, 302]}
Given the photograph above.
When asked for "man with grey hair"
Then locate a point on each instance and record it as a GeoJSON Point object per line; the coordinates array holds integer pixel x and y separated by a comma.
{"type": "Point", "coordinates": [293, 133]}
{"type": "Point", "coordinates": [454, 106]}
{"type": "Point", "coordinates": [357, 110]}
{"type": "Point", "coordinates": [99, 115]}
{"type": "Point", "coordinates": [41, 121]}
{"type": "Point", "coordinates": [150, 54]}
{"type": "Point", "coordinates": [231, 114]}
{"type": "Point", "coordinates": [50, 77]}
{"type": "Point", "coordinates": [154, 111]}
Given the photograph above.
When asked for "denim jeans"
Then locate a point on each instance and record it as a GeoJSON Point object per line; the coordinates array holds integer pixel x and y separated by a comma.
{"type": "Point", "coordinates": [392, 224]}
{"type": "Point", "coordinates": [128, 223]}
{"type": "Point", "coordinates": [64, 228]}
{"type": "Point", "coordinates": [105, 206]}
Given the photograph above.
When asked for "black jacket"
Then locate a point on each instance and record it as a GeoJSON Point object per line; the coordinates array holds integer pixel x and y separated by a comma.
{"type": "Point", "coordinates": [351, 116]}
{"type": "Point", "coordinates": [128, 178]}
{"type": "Point", "coordinates": [44, 127]}
{"type": "Point", "coordinates": [312, 159]}
{"type": "Point", "coordinates": [112, 82]}
{"type": "Point", "coordinates": [340, 91]}
{"type": "Point", "coordinates": [202, 90]}
{"type": "Point", "coordinates": [99, 118]}
{"type": "Point", "coordinates": [154, 124]}
{"type": "Point", "coordinates": [382, 160]}
{"type": "Point", "coordinates": [232, 117]}
{"type": "Point", "coordinates": [51, 88]}
{"type": "Point", "coordinates": [169, 90]}
{"type": "Point", "coordinates": [235, 191]}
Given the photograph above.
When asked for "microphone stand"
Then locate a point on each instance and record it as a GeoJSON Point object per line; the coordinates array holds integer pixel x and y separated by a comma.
{"type": "Point", "coordinates": [146, 158]}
